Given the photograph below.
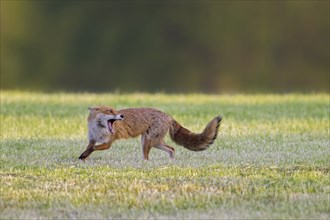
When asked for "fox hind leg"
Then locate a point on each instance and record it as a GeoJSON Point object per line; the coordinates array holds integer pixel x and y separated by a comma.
{"type": "Point", "coordinates": [170, 150]}
{"type": "Point", "coordinates": [153, 137]}
{"type": "Point", "coordinates": [146, 146]}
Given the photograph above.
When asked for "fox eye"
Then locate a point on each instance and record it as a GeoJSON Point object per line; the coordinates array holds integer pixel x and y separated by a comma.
{"type": "Point", "coordinates": [110, 111]}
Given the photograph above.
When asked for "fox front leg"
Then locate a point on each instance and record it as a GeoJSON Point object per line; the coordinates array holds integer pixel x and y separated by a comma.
{"type": "Point", "coordinates": [88, 151]}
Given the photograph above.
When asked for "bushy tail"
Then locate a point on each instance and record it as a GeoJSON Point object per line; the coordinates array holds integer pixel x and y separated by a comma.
{"type": "Point", "coordinates": [193, 141]}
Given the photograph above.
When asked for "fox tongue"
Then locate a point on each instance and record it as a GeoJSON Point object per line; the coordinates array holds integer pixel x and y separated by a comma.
{"type": "Point", "coordinates": [110, 127]}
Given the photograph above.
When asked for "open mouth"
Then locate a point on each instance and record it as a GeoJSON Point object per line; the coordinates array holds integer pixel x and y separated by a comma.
{"type": "Point", "coordinates": [110, 125]}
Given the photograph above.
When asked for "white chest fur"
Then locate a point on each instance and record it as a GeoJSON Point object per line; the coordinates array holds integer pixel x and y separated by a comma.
{"type": "Point", "coordinates": [97, 133]}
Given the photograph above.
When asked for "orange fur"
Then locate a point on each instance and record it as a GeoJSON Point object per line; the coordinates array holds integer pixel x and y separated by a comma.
{"type": "Point", "coordinates": [107, 125]}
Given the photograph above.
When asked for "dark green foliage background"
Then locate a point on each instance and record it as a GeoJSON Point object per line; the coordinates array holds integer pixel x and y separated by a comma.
{"type": "Point", "coordinates": [172, 46]}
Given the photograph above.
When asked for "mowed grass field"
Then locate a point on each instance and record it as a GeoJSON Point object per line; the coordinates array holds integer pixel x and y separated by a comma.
{"type": "Point", "coordinates": [271, 159]}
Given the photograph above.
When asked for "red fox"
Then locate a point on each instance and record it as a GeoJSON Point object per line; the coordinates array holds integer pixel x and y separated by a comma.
{"type": "Point", "coordinates": [105, 125]}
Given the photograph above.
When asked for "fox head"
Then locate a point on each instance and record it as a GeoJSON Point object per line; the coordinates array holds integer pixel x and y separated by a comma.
{"type": "Point", "coordinates": [104, 117]}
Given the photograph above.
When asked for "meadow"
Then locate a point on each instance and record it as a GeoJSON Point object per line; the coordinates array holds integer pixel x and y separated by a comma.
{"type": "Point", "coordinates": [270, 160]}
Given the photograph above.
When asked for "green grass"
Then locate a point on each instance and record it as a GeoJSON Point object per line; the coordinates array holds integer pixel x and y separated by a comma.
{"type": "Point", "coordinates": [271, 159]}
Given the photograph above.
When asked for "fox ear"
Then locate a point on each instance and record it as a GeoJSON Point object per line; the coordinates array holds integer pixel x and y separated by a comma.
{"type": "Point", "coordinates": [93, 108]}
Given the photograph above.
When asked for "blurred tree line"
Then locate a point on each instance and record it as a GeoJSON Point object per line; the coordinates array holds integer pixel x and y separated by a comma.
{"type": "Point", "coordinates": [172, 46]}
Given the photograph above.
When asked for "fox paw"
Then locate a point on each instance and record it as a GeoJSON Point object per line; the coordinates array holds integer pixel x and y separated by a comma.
{"type": "Point", "coordinates": [84, 155]}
